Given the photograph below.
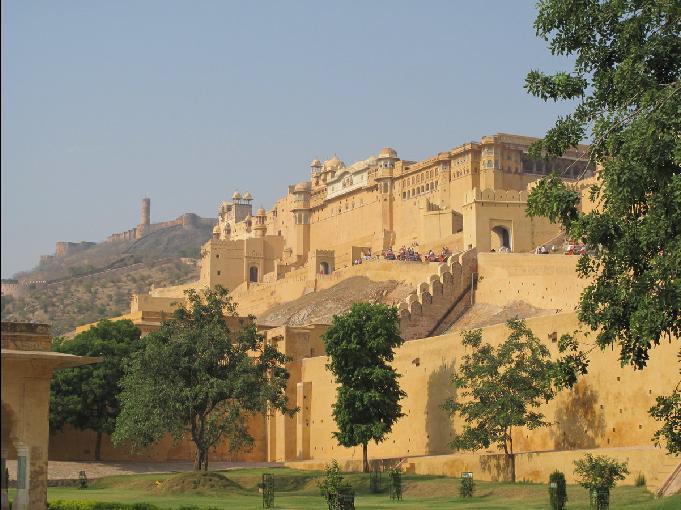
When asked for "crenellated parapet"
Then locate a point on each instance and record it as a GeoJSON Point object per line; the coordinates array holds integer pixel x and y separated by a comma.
{"type": "Point", "coordinates": [442, 296]}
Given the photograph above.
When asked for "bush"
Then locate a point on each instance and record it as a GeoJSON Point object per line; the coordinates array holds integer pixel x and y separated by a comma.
{"type": "Point", "coordinates": [332, 485]}
{"type": "Point", "coordinates": [557, 491]}
{"type": "Point", "coordinates": [640, 480]}
{"type": "Point", "coordinates": [98, 505]}
{"type": "Point", "coordinates": [599, 472]}
{"type": "Point", "coordinates": [467, 487]}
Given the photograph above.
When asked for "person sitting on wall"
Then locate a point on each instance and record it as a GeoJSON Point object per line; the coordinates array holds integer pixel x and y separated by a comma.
{"type": "Point", "coordinates": [543, 250]}
{"type": "Point", "coordinates": [492, 250]}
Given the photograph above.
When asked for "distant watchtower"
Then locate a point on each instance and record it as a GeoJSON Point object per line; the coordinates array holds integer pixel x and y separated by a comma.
{"type": "Point", "coordinates": [145, 218]}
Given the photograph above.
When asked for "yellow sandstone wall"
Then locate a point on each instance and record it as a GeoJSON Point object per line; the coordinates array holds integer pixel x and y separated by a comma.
{"type": "Point", "coordinates": [77, 445]}
{"type": "Point", "coordinates": [607, 409]}
{"type": "Point", "coordinates": [543, 281]}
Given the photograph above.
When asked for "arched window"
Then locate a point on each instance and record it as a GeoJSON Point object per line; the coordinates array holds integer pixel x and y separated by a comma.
{"type": "Point", "coordinates": [324, 268]}
{"type": "Point", "coordinates": [253, 274]}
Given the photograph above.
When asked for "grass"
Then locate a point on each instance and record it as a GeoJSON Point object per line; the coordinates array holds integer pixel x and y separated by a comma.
{"type": "Point", "coordinates": [295, 489]}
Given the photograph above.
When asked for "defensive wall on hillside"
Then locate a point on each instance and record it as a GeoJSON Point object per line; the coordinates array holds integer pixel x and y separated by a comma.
{"type": "Point", "coordinates": [607, 409]}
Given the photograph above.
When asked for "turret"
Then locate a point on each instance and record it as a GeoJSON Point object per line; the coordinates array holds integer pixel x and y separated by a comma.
{"type": "Point", "coordinates": [260, 228]}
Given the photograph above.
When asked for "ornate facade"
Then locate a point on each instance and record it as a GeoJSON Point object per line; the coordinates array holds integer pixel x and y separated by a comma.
{"type": "Point", "coordinates": [472, 196]}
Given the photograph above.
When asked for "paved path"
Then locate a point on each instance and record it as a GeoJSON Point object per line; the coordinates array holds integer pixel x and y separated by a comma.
{"type": "Point", "coordinates": [58, 470]}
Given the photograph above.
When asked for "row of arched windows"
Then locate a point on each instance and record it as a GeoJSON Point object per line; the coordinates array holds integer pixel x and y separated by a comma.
{"type": "Point", "coordinates": [420, 190]}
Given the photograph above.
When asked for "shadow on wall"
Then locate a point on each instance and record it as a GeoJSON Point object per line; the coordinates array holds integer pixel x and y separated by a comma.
{"type": "Point", "coordinates": [579, 420]}
{"type": "Point", "coordinates": [438, 421]}
{"type": "Point", "coordinates": [497, 467]}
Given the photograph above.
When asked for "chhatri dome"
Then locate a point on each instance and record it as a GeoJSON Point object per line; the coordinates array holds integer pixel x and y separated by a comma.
{"type": "Point", "coordinates": [248, 196]}
{"type": "Point", "coordinates": [334, 162]}
{"type": "Point", "coordinates": [236, 196]}
{"type": "Point", "coordinates": [315, 163]}
{"type": "Point", "coordinates": [302, 186]}
{"type": "Point", "coordinates": [387, 152]}
{"type": "Point", "coordinates": [261, 212]}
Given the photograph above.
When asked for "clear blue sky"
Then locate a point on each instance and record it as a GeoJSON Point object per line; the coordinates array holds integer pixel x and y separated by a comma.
{"type": "Point", "coordinates": [104, 102]}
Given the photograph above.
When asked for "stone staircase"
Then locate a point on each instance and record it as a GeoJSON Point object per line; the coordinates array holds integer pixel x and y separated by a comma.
{"type": "Point", "coordinates": [441, 299]}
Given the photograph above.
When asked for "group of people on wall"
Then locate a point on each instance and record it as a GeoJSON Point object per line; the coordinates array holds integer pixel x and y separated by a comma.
{"type": "Point", "coordinates": [409, 254]}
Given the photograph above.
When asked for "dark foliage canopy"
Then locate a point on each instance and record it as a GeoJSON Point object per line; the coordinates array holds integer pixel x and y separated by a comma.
{"type": "Point", "coordinates": [626, 84]}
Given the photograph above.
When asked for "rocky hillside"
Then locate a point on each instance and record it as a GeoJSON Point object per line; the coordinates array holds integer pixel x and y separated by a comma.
{"type": "Point", "coordinates": [97, 283]}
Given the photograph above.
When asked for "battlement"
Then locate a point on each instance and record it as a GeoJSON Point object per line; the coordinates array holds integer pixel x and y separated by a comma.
{"type": "Point", "coordinates": [64, 248]}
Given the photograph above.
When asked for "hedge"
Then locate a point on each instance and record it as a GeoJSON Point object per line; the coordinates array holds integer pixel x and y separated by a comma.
{"type": "Point", "coordinates": [98, 505]}
{"type": "Point", "coordinates": [103, 505]}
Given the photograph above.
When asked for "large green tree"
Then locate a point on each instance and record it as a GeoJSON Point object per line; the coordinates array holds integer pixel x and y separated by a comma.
{"type": "Point", "coordinates": [497, 389]}
{"type": "Point", "coordinates": [360, 344]}
{"type": "Point", "coordinates": [197, 376]}
{"type": "Point", "coordinates": [625, 80]}
{"type": "Point", "coordinates": [667, 409]}
{"type": "Point", "coordinates": [627, 61]}
{"type": "Point", "coordinates": [87, 397]}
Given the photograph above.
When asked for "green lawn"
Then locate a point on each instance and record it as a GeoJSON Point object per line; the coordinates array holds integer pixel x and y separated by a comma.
{"type": "Point", "coordinates": [297, 490]}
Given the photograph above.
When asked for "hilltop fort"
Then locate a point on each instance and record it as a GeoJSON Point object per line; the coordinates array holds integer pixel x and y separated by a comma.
{"type": "Point", "coordinates": [447, 240]}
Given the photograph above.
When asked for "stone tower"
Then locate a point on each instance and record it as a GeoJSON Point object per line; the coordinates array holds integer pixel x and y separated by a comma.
{"type": "Point", "coordinates": [145, 218]}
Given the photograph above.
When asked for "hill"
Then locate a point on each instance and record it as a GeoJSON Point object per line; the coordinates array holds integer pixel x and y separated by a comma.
{"type": "Point", "coordinates": [97, 283]}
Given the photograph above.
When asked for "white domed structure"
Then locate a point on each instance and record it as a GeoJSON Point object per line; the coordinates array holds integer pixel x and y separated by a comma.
{"type": "Point", "coordinates": [248, 196]}
{"type": "Point", "coordinates": [236, 196]}
{"type": "Point", "coordinates": [316, 163]}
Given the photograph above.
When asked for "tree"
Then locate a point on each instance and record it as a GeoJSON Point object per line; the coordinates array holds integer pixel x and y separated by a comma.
{"type": "Point", "coordinates": [197, 376]}
{"type": "Point", "coordinates": [667, 409]}
{"type": "Point", "coordinates": [626, 83]}
{"type": "Point", "coordinates": [599, 474]}
{"type": "Point", "coordinates": [332, 486]}
{"type": "Point", "coordinates": [87, 397]}
{"type": "Point", "coordinates": [360, 345]}
{"type": "Point", "coordinates": [500, 388]}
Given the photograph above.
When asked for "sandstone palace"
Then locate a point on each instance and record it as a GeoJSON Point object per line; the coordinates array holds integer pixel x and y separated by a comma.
{"type": "Point", "coordinates": [447, 240]}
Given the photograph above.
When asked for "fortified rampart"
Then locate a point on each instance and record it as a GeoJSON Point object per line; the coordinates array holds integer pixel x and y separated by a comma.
{"type": "Point", "coordinates": [64, 248]}
{"type": "Point", "coordinates": [19, 288]}
{"type": "Point", "coordinates": [607, 409]}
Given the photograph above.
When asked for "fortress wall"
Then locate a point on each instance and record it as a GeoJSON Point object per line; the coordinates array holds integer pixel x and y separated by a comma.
{"type": "Point", "coordinates": [258, 298]}
{"type": "Point", "coordinates": [147, 302]}
{"type": "Point", "coordinates": [176, 291]}
{"type": "Point", "coordinates": [358, 225]}
{"type": "Point", "coordinates": [543, 281]}
{"type": "Point", "coordinates": [412, 273]}
{"type": "Point", "coordinates": [76, 445]}
{"type": "Point", "coordinates": [535, 467]}
{"type": "Point", "coordinates": [607, 409]}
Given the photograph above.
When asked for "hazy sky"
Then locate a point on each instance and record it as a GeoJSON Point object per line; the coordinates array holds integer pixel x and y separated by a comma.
{"type": "Point", "coordinates": [104, 102]}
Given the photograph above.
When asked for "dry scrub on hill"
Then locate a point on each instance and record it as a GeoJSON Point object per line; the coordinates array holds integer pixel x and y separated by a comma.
{"type": "Point", "coordinates": [78, 301]}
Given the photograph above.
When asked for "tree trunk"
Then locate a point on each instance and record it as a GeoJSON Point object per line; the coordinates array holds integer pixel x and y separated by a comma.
{"type": "Point", "coordinates": [512, 455]}
{"type": "Point", "coordinates": [205, 460]}
{"type": "Point", "coordinates": [98, 446]}
{"type": "Point", "coordinates": [365, 458]}
{"type": "Point", "coordinates": [197, 459]}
